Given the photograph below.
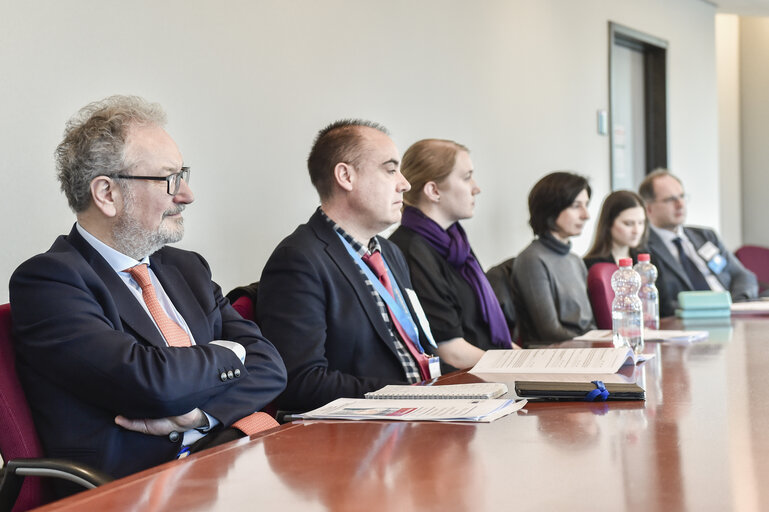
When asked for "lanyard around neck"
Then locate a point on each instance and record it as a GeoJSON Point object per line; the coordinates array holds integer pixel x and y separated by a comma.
{"type": "Point", "coordinates": [396, 303]}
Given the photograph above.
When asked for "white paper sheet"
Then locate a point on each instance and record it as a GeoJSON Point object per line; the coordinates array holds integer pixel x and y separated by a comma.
{"type": "Point", "coordinates": [415, 410]}
{"type": "Point", "coordinates": [649, 335]}
{"type": "Point", "coordinates": [555, 360]}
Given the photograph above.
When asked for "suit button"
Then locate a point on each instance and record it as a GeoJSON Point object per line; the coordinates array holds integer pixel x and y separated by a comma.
{"type": "Point", "coordinates": [230, 375]}
{"type": "Point", "coordinates": [223, 376]}
{"type": "Point", "coordinates": [237, 372]}
{"type": "Point", "coordinates": [173, 436]}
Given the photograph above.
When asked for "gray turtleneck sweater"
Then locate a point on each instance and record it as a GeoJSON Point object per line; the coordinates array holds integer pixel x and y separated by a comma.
{"type": "Point", "coordinates": [550, 292]}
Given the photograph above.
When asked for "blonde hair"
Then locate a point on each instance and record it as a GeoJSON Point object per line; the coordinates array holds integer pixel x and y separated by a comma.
{"type": "Point", "coordinates": [425, 161]}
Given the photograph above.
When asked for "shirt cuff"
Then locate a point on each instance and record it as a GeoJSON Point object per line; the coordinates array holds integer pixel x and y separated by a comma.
{"type": "Point", "coordinates": [237, 348]}
{"type": "Point", "coordinates": [193, 434]}
{"type": "Point", "coordinates": [212, 422]}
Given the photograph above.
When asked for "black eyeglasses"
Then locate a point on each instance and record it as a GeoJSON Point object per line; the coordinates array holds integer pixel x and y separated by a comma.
{"type": "Point", "coordinates": [174, 181]}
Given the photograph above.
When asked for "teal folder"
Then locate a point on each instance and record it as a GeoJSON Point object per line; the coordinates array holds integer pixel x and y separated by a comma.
{"type": "Point", "coordinates": [704, 313]}
{"type": "Point", "coordinates": [704, 300]}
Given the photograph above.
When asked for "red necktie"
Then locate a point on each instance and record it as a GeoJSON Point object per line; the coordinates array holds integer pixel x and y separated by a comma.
{"type": "Point", "coordinates": [175, 336]}
{"type": "Point", "coordinates": [376, 263]}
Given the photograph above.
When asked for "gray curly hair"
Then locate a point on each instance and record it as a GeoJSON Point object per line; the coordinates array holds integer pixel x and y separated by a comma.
{"type": "Point", "coordinates": [94, 141]}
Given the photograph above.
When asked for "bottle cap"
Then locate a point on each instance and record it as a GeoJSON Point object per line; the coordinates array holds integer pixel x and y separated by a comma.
{"type": "Point", "coordinates": [626, 262]}
{"type": "Point", "coordinates": [644, 256]}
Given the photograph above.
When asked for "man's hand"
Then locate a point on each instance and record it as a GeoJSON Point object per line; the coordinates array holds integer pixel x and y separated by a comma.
{"type": "Point", "coordinates": [164, 426]}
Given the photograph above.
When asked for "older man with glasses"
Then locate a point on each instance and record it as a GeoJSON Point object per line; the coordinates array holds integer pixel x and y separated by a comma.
{"type": "Point", "coordinates": [688, 258]}
{"type": "Point", "coordinates": [127, 351]}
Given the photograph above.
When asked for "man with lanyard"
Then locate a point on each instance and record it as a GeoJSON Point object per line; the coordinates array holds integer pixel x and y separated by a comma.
{"type": "Point", "coordinates": [688, 258]}
{"type": "Point", "coordinates": [335, 298]}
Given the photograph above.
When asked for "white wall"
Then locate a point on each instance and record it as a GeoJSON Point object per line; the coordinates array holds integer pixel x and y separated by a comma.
{"type": "Point", "coordinates": [754, 91]}
{"type": "Point", "coordinates": [248, 83]}
{"type": "Point", "coordinates": [728, 65]}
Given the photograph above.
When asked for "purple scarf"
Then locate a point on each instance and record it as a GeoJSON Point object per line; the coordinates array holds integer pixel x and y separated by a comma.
{"type": "Point", "coordinates": [452, 245]}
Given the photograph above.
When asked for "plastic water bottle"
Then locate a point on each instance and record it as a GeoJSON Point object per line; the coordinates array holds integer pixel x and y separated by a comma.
{"type": "Point", "coordinates": [626, 309]}
{"type": "Point", "coordinates": [648, 292]}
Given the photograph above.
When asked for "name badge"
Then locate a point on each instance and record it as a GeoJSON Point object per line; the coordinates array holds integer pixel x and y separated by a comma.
{"type": "Point", "coordinates": [717, 264]}
{"type": "Point", "coordinates": [434, 365]}
{"type": "Point", "coordinates": [421, 317]}
{"type": "Point", "coordinates": [711, 254]}
{"type": "Point", "coordinates": [707, 251]}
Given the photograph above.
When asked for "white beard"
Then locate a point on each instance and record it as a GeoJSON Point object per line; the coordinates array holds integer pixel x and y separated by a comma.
{"type": "Point", "coordinates": [133, 240]}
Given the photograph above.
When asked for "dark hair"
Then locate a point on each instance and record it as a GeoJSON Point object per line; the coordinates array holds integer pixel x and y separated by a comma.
{"type": "Point", "coordinates": [614, 204]}
{"type": "Point", "coordinates": [425, 161]}
{"type": "Point", "coordinates": [341, 141]}
{"type": "Point", "coordinates": [550, 196]}
{"type": "Point", "coordinates": [646, 188]}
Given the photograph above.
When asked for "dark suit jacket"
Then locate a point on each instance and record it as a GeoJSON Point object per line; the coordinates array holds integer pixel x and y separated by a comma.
{"type": "Point", "coordinates": [87, 351]}
{"type": "Point", "coordinates": [316, 308]}
{"type": "Point", "coordinates": [735, 278]}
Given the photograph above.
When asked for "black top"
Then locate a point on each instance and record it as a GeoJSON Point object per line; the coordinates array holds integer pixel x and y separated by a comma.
{"type": "Point", "coordinates": [608, 258]}
{"type": "Point", "coordinates": [589, 262]}
{"type": "Point", "coordinates": [449, 301]}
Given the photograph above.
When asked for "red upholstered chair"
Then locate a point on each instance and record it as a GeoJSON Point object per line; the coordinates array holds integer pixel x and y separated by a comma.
{"type": "Point", "coordinates": [756, 259]}
{"type": "Point", "coordinates": [19, 445]}
{"type": "Point", "coordinates": [245, 306]}
{"type": "Point", "coordinates": [600, 292]}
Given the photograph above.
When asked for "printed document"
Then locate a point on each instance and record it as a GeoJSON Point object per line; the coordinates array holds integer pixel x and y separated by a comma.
{"type": "Point", "coordinates": [556, 360]}
{"type": "Point", "coordinates": [414, 410]}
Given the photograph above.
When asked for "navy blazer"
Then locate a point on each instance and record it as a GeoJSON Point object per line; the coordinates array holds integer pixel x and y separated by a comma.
{"type": "Point", "coordinates": [315, 306]}
{"type": "Point", "coordinates": [87, 351]}
{"type": "Point", "coordinates": [735, 278]}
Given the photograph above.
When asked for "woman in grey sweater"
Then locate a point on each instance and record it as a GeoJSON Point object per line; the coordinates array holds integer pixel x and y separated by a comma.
{"type": "Point", "coordinates": [550, 281]}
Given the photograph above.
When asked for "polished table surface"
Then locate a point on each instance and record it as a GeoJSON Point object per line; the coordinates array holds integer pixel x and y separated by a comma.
{"type": "Point", "coordinates": [699, 442]}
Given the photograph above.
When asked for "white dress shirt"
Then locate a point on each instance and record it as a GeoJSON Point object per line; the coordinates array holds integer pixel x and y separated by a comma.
{"type": "Point", "coordinates": [120, 262]}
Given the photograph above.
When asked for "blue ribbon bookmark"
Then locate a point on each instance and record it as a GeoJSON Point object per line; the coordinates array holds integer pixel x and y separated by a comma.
{"type": "Point", "coordinates": [600, 392]}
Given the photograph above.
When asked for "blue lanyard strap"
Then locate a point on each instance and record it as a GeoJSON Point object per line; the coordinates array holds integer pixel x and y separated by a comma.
{"type": "Point", "coordinates": [396, 304]}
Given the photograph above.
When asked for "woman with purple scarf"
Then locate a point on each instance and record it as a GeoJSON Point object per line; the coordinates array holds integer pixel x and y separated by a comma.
{"type": "Point", "coordinates": [464, 314]}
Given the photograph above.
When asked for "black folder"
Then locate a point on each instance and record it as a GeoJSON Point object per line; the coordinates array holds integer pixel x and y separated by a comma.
{"type": "Point", "coordinates": [576, 391]}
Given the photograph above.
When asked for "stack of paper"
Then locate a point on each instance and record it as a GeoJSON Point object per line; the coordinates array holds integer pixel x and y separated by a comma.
{"type": "Point", "coordinates": [557, 360]}
{"type": "Point", "coordinates": [649, 335]}
{"type": "Point", "coordinates": [758, 307]}
{"type": "Point", "coordinates": [483, 411]}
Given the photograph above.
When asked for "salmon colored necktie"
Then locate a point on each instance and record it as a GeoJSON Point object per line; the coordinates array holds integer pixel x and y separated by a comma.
{"type": "Point", "coordinates": [255, 422]}
{"type": "Point", "coordinates": [175, 336]}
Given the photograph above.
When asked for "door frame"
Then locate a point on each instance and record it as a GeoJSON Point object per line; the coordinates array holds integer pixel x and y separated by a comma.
{"type": "Point", "coordinates": [654, 50]}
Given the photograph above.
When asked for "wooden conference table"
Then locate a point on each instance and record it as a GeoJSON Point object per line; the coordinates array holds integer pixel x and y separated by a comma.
{"type": "Point", "coordinates": [699, 442]}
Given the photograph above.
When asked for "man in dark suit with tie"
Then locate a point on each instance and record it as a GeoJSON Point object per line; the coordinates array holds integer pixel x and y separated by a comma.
{"type": "Point", "coordinates": [126, 349]}
{"type": "Point", "coordinates": [334, 297]}
{"type": "Point", "coordinates": [687, 258]}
